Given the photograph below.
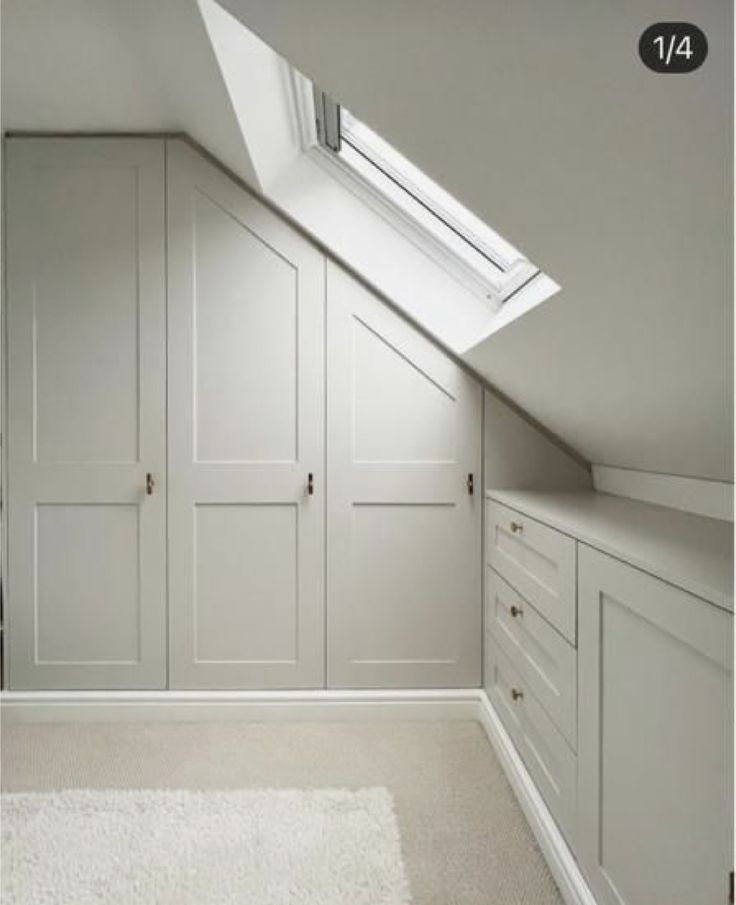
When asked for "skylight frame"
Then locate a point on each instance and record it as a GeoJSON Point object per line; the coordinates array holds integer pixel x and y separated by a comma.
{"type": "Point", "coordinates": [429, 214]}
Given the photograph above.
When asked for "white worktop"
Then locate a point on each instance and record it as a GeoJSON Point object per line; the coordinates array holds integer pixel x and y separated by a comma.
{"type": "Point", "coordinates": [690, 551]}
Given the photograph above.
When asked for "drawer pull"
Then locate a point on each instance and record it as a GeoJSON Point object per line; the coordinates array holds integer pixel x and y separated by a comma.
{"type": "Point", "coordinates": [516, 611]}
{"type": "Point", "coordinates": [516, 527]}
{"type": "Point", "coordinates": [516, 695]}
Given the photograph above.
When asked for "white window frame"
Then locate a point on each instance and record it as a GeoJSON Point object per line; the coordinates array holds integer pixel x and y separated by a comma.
{"type": "Point", "coordinates": [516, 277]}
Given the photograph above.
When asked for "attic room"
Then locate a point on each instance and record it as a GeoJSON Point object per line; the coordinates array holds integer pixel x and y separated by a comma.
{"type": "Point", "coordinates": [367, 452]}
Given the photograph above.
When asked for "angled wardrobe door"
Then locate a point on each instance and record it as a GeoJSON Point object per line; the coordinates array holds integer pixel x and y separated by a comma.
{"type": "Point", "coordinates": [86, 413]}
{"type": "Point", "coordinates": [246, 432]}
{"type": "Point", "coordinates": [404, 532]}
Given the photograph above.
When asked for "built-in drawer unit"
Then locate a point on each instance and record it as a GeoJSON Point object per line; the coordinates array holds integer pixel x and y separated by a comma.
{"type": "Point", "coordinates": [546, 662]}
{"type": "Point", "coordinates": [537, 560]}
{"type": "Point", "coordinates": [548, 758]}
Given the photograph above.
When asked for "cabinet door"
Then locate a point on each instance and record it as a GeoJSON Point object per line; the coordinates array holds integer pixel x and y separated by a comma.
{"type": "Point", "coordinates": [86, 407]}
{"type": "Point", "coordinates": [246, 428]}
{"type": "Point", "coordinates": [655, 739]}
{"type": "Point", "coordinates": [404, 534]}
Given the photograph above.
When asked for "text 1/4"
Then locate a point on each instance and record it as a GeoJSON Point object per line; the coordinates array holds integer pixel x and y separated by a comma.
{"type": "Point", "coordinates": [673, 47]}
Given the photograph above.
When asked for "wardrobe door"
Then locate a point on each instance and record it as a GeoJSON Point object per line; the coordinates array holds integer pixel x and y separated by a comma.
{"type": "Point", "coordinates": [404, 530]}
{"type": "Point", "coordinates": [86, 407]}
{"type": "Point", "coordinates": [246, 438]}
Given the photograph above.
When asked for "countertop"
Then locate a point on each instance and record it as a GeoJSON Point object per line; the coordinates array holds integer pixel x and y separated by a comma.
{"type": "Point", "coordinates": [689, 551]}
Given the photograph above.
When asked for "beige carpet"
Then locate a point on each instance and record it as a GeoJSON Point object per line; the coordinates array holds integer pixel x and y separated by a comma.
{"type": "Point", "coordinates": [464, 838]}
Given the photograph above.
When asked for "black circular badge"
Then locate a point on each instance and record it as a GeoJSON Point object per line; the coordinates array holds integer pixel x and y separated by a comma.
{"type": "Point", "coordinates": [673, 47]}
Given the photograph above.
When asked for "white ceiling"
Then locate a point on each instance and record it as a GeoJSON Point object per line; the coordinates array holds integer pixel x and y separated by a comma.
{"type": "Point", "coordinates": [539, 116]}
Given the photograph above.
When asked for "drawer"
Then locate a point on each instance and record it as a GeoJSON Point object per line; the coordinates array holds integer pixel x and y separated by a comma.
{"type": "Point", "coordinates": [538, 561]}
{"type": "Point", "coordinates": [546, 662]}
{"type": "Point", "coordinates": [551, 763]}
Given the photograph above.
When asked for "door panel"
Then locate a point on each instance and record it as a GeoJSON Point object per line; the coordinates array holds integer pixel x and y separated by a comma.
{"type": "Point", "coordinates": [403, 575]}
{"type": "Point", "coordinates": [246, 553]}
{"type": "Point", "coordinates": [400, 414]}
{"type": "Point", "coordinates": [86, 365]}
{"type": "Point", "coordinates": [655, 738]}
{"type": "Point", "coordinates": [404, 431]}
{"type": "Point", "coordinates": [246, 343]}
{"type": "Point", "coordinates": [246, 427]}
{"type": "Point", "coordinates": [86, 410]}
{"type": "Point", "coordinates": [87, 583]}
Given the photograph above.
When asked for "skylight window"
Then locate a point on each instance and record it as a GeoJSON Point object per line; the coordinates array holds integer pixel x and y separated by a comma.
{"type": "Point", "coordinates": [500, 269]}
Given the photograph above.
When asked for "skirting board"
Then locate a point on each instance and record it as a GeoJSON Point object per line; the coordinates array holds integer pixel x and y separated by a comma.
{"type": "Point", "coordinates": [257, 706]}
{"type": "Point", "coordinates": [439, 704]}
{"type": "Point", "coordinates": [563, 866]}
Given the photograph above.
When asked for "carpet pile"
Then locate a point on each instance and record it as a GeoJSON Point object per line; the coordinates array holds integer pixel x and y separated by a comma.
{"type": "Point", "coordinates": [265, 846]}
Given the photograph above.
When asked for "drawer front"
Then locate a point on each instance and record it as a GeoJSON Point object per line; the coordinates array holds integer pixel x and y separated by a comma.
{"type": "Point", "coordinates": [538, 561]}
{"type": "Point", "coordinates": [548, 758]}
{"type": "Point", "coordinates": [500, 680]}
{"type": "Point", "coordinates": [546, 662]}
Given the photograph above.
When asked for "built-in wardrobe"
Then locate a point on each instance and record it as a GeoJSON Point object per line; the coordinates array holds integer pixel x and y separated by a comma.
{"type": "Point", "coordinates": [228, 464]}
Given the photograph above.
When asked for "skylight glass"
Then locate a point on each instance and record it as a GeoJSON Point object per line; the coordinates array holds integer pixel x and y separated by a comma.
{"type": "Point", "coordinates": [421, 201]}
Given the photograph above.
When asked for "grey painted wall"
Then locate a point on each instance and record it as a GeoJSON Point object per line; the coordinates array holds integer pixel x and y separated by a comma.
{"type": "Point", "coordinates": [520, 457]}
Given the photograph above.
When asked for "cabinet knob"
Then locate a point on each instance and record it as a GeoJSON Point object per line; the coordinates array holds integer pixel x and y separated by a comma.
{"type": "Point", "coordinates": [150, 483]}
{"type": "Point", "coordinates": [516, 611]}
{"type": "Point", "coordinates": [516, 527]}
{"type": "Point", "coordinates": [516, 695]}
{"type": "Point", "coordinates": [310, 484]}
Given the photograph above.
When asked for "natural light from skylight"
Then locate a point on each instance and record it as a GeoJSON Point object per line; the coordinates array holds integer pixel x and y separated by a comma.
{"type": "Point", "coordinates": [421, 202]}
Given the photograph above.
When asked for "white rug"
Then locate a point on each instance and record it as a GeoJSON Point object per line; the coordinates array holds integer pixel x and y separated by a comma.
{"type": "Point", "coordinates": [252, 847]}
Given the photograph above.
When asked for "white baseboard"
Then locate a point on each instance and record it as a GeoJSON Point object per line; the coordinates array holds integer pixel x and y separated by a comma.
{"type": "Point", "coordinates": [559, 858]}
{"type": "Point", "coordinates": [257, 706]}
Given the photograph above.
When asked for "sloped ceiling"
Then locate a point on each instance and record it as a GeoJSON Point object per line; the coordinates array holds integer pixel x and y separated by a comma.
{"type": "Point", "coordinates": [535, 113]}
{"type": "Point", "coordinates": [617, 181]}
